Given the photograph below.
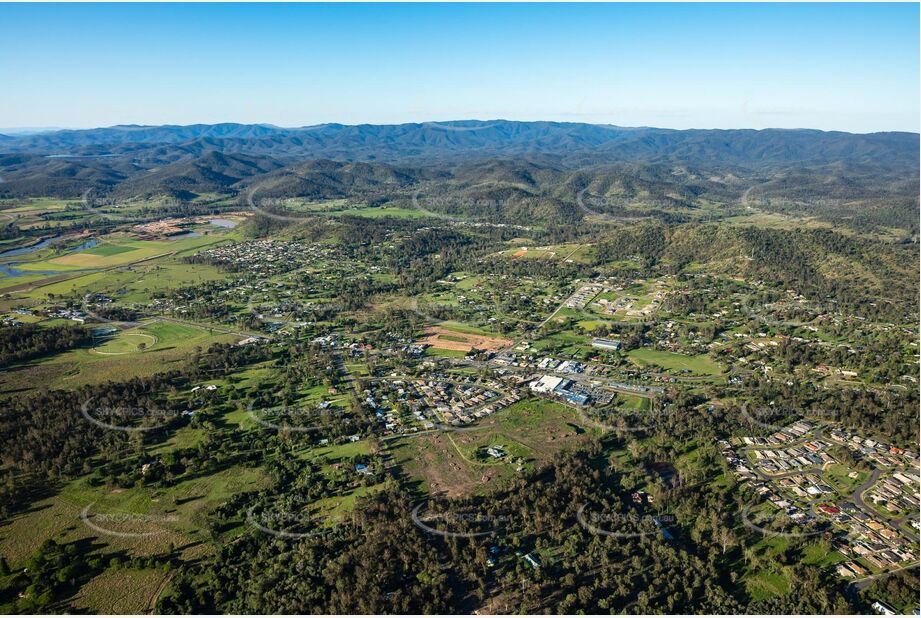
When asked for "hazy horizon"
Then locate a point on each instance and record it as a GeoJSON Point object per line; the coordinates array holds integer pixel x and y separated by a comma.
{"type": "Point", "coordinates": [24, 131]}
{"type": "Point", "coordinates": [844, 67]}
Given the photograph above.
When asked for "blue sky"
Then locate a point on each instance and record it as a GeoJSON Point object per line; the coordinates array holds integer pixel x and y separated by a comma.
{"type": "Point", "coordinates": [852, 67]}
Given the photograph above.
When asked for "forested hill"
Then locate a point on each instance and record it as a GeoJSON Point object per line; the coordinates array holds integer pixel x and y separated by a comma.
{"type": "Point", "coordinates": [570, 142]}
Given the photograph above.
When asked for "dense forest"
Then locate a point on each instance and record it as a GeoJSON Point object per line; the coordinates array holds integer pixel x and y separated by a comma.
{"type": "Point", "coordinates": [23, 342]}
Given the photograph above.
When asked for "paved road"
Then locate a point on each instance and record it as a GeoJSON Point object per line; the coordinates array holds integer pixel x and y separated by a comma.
{"type": "Point", "coordinates": [857, 498]}
{"type": "Point", "coordinates": [581, 378]}
{"type": "Point", "coordinates": [857, 495]}
{"type": "Point", "coordinates": [862, 583]}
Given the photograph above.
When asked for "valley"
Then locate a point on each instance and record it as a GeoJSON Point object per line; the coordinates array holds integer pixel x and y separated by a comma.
{"type": "Point", "coordinates": [510, 383]}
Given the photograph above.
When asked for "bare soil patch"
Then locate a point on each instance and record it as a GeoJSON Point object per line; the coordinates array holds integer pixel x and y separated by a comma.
{"type": "Point", "coordinates": [439, 337]}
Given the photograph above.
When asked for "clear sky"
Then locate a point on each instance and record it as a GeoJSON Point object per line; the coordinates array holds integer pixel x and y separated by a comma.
{"type": "Point", "coordinates": [852, 67]}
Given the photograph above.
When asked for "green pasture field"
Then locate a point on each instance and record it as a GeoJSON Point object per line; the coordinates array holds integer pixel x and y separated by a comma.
{"type": "Point", "coordinates": [109, 250]}
{"type": "Point", "coordinates": [821, 553]}
{"type": "Point", "coordinates": [672, 361]}
{"type": "Point", "coordinates": [34, 205]}
{"type": "Point", "coordinates": [592, 324]}
{"type": "Point", "coordinates": [85, 366]}
{"type": "Point", "coordinates": [379, 212]}
{"type": "Point", "coordinates": [837, 473]}
{"type": "Point", "coordinates": [176, 515]}
{"type": "Point", "coordinates": [468, 282]}
{"type": "Point", "coordinates": [442, 352]}
{"type": "Point", "coordinates": [184, 437]}
{"type": "Point", "coordinates": [765, 584]}
{"type": "Point", "coordinates": [126, 342]}
{"type": "Point", "coordinates": [127, 250]}
{"type": "Point", "coordinates": [337, 452]}
{"type": "Point", "coordinates": [335, 508]}
{"type": "Point", "coordinates": [155, 336]}
{"type": "Point", "coordinates": [566, 343]}
{"type": "Point", "coordinates": [121, 591]}
{"type": "Point", "coordinates": [535, 429]}
{"type": "Point", "coordinates": [633, 402]}
{"type": "Point", "coordinates": [137, 281]}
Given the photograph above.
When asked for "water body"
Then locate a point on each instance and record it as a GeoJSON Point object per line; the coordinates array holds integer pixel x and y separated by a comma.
{"type": "Point", "coordinates": [9, 268]}
{"type": "Point", "coordinates": [28, 249]}
{"type": "Point", "coordinates": [92, 242]}
{"type": "Point", "coordinates": [184, 235]}
{"type": "Point", "coordinates": [223, 223]}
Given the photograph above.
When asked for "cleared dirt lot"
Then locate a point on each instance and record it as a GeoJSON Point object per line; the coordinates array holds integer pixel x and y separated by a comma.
{"type": "Point", "coordinates": [439, 337]}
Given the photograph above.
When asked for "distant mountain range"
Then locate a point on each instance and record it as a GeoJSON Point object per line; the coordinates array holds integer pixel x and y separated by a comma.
{"type": "Point", "coordinates": [507, 171]}
{"type": "Point", "coordinates": [571, 144]}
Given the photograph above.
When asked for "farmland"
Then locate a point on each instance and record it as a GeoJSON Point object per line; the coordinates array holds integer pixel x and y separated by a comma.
{"type": "Point", "coordinates": [215, 402]}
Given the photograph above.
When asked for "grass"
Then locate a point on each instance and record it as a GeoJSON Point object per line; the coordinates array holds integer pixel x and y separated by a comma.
{"type": "Point", "coordinates": [672, 361]}
{"type": "Point", "coordinates": [121, 591]}
{"type": "Point", "coordinates": [372, 212]}
{"type": "Point", "coordinates": [126, 342]}
{"type": "Point", "coordinates": [184, 437]}
{"type": "Point", "coordinates": [35, 204]}
{"type": "Point", "coordinates": [821, 554]}
{"type": "Point", "coordinates": [118, 250]}
{"type": "Point", "coordinates": [180, 513]}
{"type": "Point", "coordinates": [105, 250]}
{"type": "Point", "coordinates": [433, 351]}
{"type": "Point", "coordinates": [474, 450]}
{"type": "Point", "coordinates": [174, 344]}
{"type": "Point", "coordinates": [534, 430]}
{"type": "Point", "coordinates": [169, 334]}
{"type": "Point", "coordinates": [332, 454]}
{"type": "Point", "coordinates": [766, 584]}
{"type": "Point", "coordinates": [837, 475]}
{"type": "Point", "coordinates": [633, 402]}
{"type": "Point", "coordinates": [565, 343]}
{"type": "Point", "coordinates": [336, 508]}
{"type": "Point", "coordinates": [67, 286]}
{"type": "Point", "coordinates": [460, 327]}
